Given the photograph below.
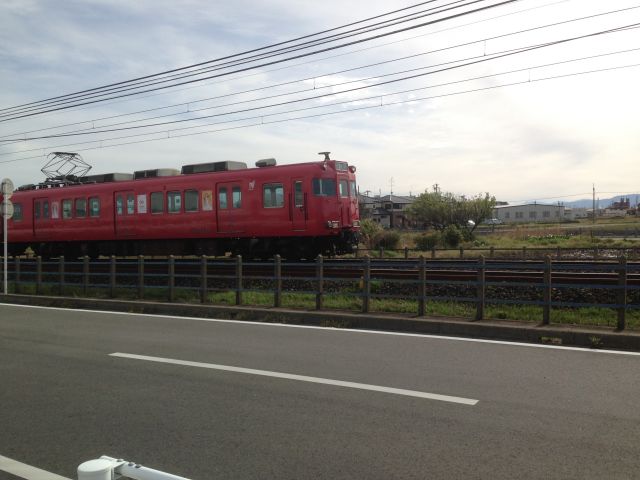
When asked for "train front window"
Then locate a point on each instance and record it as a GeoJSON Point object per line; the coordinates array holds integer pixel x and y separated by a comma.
{"type": "Point", "coordinates": [352, 190]}
{"type": "Point", "coordinates": [324, 187]}
{"type": "Point", "coordinates": [344, 188]}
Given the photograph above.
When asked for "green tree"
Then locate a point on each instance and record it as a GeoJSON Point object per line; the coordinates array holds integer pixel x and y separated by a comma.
{"type": "Point", "coordinates": [439, 210]}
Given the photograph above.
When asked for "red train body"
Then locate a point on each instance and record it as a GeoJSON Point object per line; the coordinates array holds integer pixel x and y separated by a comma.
{"type": "Point", "coordinates": [297, 210]}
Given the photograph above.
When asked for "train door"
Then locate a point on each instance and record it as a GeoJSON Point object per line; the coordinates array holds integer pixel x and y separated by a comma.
{"type": "Point", "coordinates": [229, 205]}
{"type": "Point", "coordinates": [298, 206]}
{"type": "Point", "coordinates": [124, 204]}
{"type": "Point", "coordinates": [41, 217]}
{"type": "Point", "coordinates": [345, 202]}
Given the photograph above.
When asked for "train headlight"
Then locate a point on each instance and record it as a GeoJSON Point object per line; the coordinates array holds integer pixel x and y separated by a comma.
{"type": "Point", "coordinates": [356, 223]}
{"type": "Point", "coordinates": [333, 224]}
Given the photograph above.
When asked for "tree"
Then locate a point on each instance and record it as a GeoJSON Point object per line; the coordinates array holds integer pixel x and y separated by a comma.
{"type": "Point", "coordinates": [439, 209]}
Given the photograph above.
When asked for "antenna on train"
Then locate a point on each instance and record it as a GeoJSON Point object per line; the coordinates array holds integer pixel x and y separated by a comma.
{"type": "Point", "coordinates": [326, 155]}
{"type": "Point", "coordinates": [65, 167]}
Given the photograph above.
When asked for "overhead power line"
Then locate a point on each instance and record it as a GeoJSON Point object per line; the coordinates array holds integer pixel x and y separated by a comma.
{"type": "Point", "coordinates": [14, 116]}
{"type": "Point", "coordinates": [330, 94]}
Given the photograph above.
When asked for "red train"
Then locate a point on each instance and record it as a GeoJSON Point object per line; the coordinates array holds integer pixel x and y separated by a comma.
{"type": "Point", "coordinates": [297, 210]}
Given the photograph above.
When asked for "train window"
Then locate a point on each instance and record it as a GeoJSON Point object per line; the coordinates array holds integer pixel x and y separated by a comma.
{"type": "Point", "coordinates": [131, 204]}
{"type": "Point", "coordinates": [81, 207]}
{"type": "Point", "coordinates": [119, 205]}
{"type": "Point", "coordinates": [17, 212]}
{"type": "Point", "coordinates": [273, 195]}
{"type": "Point", "coordinates": [94, 207]}
{"type": "Point", "coordinates": [45, 209]}
{"type": "Point", "coordinates": [236, 197]}
{"type": "Point", "coordinates": [66, 208]}
{"type": "Point", "coordinates": [344, 188]}
{"type": "Point", "coordinates": [157, 202]}
{"type": "Point", "coordinates": [36, 210]}
{"type": "Point", "coordinates": [298, 199]}
{"type": "Point", "coordinates": [174, 202]}
{"type": "Point", "coordinates": [222, 198]}
{"type": "Point", "coordinates": [324, 186]}
{"type": "Point", "coordinates": [191, 201]}
{"type": "Point", "coordinates": [353, 190]}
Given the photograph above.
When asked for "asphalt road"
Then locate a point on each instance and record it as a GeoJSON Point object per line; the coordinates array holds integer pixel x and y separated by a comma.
{"type": "Point", "coordinates": [540, 412]}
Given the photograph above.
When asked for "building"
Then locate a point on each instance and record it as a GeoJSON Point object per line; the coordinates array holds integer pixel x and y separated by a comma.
{"type": "Point", "coordinates": [529, 212]}
{"type": "Point", "coordinates": [389, 210]}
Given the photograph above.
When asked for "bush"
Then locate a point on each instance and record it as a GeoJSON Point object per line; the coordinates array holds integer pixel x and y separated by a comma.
{"type": "Point", "coordinates": [368, 231]}
{"type": "Point", "coordinates": [428, 241]}
{"type": "Point", "coordinates": [388, 239]}
{"type": "Point", "coordinates": [452, 236]}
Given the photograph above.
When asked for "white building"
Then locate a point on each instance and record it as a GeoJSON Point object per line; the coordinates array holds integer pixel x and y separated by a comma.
{"type": "Point", "coordinates": [530, 212]}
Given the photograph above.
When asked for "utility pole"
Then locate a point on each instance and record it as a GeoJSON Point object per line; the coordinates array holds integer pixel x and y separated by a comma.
{"type": "Point", "coordinates": [594, 204]}
{"type": "Point", "coordinates": [391, 185]}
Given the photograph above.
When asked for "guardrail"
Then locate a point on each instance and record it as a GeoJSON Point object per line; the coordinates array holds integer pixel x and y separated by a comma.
{"type": "Point", "coordinates": [365, 283]}
{"type": "Point", "coordinates": [107, 468]}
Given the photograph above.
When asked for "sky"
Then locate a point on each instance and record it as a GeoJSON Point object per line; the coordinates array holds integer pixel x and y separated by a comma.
{"type": "Point", "coordinates": [520, 136]}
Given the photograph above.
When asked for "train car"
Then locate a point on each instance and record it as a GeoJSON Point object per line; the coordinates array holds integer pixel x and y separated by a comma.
{"type": "Point", "coordinates": [297, 210]}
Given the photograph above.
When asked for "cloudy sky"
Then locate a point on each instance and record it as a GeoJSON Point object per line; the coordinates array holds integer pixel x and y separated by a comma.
{"type": "Point", "coordinates": [543, 124]}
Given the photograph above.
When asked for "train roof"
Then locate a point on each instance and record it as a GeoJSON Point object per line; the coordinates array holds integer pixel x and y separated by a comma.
{"type": "Point", "coordinates": [191, 169]}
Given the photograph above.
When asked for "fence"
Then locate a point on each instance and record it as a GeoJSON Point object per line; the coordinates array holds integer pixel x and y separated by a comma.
{"type": "Point", "coordinates": [364, 284]}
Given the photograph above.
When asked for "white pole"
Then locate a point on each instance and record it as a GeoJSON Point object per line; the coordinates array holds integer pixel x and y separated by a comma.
{"type": "Point", "coordinates": [6, 292]}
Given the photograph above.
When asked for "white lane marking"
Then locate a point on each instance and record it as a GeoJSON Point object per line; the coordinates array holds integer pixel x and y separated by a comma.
{"type": "Point", "coordinates": [28, 472]}
{"type": "Point", "coordinates": [301, 378]}
{"type": "Point", "coordinates": [344, 330]}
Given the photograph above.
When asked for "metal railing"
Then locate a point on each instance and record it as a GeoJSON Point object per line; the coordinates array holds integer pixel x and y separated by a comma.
{"type": "Point", "coordinates": [107, 468]}
{"type": "Point", "coordinates": [365, 282]}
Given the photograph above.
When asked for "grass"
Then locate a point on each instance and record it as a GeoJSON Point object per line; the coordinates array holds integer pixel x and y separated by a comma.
{"type": "Point", "coordinates": [352, 302]}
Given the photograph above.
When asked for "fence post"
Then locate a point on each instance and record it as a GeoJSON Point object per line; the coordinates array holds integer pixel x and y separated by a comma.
{"type": "Point", "coordinates": [461, 252]}
{"type": "Point", "coordinates": [320, 280]}
{"type": "Point", "coordinates": [558, 253]}
{"type": "Point", "coordinates": [366, 284]}
{"type": "Point", "coordinates": [172, 278]}
{"type": "Point", "coordinates": [406, 253]}
{"type": "Point", "coordinates": [140, 276]}
{"type": "Point", "coordinates": [61, 275]}
{"type": "Point", "coordinates": [277, 294]}
{"type": "Point", "coordinates": [85, 275]}
{"type": "Point", "coordinates": [381, 252]}
{"type": "Point", "coordinates": [38, 274]}
{"type": "Point", "coordinates": [622, 293]}
{"type": "Point", "coordinates": [112, 276]}
{"type": "Point", "coordinates": [480, 289]}
{"type": "Point", "coordinates": [17, 275]}
{"type": "Point", "coordinates": [491, 252]}
{"type": "Point", "coordinates": [204, 289]}
{"type": "Point", "coordinates": [239, 280]}
{"type": "Point", "coordinates": [422, 288]}
{"type": "Point", "coordinates": [546, 291]}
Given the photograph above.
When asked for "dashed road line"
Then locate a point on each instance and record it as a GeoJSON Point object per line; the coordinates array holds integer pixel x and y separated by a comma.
{"type": "Point", "coordinates": [25, 471]}
{"type": "Point", "coordinates": [302, 378]}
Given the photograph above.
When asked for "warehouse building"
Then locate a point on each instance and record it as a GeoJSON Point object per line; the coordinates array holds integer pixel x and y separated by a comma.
{"type": "Point", "coordinates": [529, 212]}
